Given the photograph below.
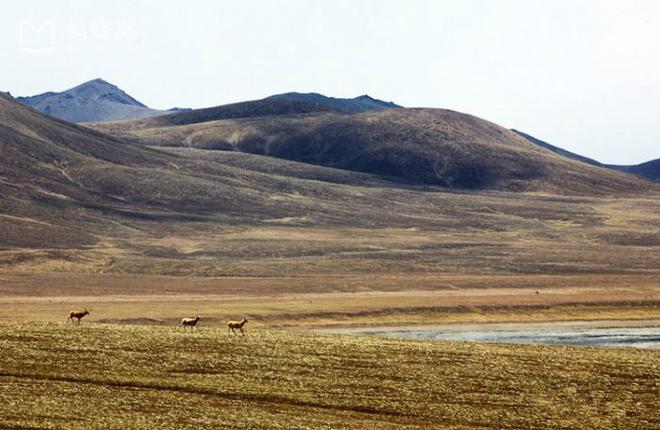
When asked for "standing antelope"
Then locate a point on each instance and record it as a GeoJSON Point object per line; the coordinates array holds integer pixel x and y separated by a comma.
{"type": "Point", "coordinates": [236, 325]}
{"type": "Point", "coordinates": [77, 314]}
{"type": "Point", "coordinates": [189, 322]}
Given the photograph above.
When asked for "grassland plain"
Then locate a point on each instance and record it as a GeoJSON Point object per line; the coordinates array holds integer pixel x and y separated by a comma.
{"type": "Point", "coordinates": [117, 376]}
{"type": "Point", "coordinates": [307, 301]}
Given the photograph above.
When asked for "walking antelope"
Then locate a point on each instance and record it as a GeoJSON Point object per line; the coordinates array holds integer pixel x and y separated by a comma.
{"type": "Point", "coordinates": [236, 325]}
{"type": "Point", "coordinates": [79, 314]}
{"type": "Point", "coordinates": [189, 322]}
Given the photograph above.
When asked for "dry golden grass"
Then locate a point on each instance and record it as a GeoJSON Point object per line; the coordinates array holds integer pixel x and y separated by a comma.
{"type": "Point", "coordinates": [329, 301]}
{"type": "Point", "coordinates": [91, 376]}
{"type": "Point", "coordinates": [420, 233]}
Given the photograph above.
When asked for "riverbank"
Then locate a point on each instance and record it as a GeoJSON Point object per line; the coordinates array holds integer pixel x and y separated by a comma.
{"type": "Point", "coordinates": [607, 333]}
{"type": "Point", "coordinates": [493, 326]}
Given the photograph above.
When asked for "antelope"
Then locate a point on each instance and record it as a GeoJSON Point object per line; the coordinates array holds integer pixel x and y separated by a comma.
{"type": "Point", "coordinates": [189, 322]}
{"type": "Point", "coordinates": [77, 314]}
{"type": "Point", "coordinates": [236, 325]}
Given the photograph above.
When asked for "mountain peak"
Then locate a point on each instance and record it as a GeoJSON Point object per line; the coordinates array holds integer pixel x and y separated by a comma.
{"type": "Point", "coordinates": [92, 101]}
{"type": "Point", "coordinates": [97, 81]}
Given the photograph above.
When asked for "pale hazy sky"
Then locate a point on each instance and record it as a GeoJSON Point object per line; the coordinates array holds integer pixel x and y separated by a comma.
{"type": "Point", "coordinates": [583, 75]}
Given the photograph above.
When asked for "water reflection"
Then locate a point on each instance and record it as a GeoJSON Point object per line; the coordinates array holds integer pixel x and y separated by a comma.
{"type": "Point", "coordinates": [637, 337]}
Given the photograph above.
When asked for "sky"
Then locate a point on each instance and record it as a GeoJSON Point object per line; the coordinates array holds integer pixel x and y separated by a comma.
{"type": "Point", "coordinates": [583, 75]}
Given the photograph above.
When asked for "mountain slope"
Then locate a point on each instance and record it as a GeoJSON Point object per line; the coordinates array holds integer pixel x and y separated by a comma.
{"type": "Point", "coordinates": [358, 104]}
{"type": "Point", "coordinates": [649, 170]}
{"type": "Point", "coordinates": [62, 184]}
{"type": "Point", "coordinates": [420, 146]}
{"type": "Point", "coordinates": [65, 186]}
{"type": "Point", "coordinates": [96, 100]}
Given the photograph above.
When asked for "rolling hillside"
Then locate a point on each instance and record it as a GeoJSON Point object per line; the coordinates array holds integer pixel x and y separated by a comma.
{"type": "Point", "coordinates": [59, 180]}
{"type": "Point", "coordinates": [74, 199]}
{"type": "Point", "coordinates": [416, 146]}
{"type": "Point", "coordinates": [95, 100]}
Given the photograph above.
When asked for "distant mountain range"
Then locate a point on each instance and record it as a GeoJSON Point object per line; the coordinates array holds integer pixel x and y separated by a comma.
{"type": "Point", "coordinates": [92, 101]}
{"type": "Point", "coordinates": [649, 169]}
{"type": "Point", "coordinates": [98, 101]}
{"type": "Point", "coordinates": [67, 191]}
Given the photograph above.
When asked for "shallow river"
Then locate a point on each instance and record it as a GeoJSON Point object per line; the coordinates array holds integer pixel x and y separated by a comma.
{"type": "Point", "coordinates": [636, 337]}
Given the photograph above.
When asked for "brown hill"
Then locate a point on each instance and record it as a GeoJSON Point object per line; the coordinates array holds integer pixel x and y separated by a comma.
{"type": "Point", "coordinates": [420, 146]}
{"type": "Point", "coordinates": [72, 199]}
{"type": "Point", "coordinates": [58, 179]}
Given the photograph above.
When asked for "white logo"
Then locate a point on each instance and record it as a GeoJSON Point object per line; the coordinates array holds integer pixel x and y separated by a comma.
{"type": "Point", "coordinates": [37, 38]}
